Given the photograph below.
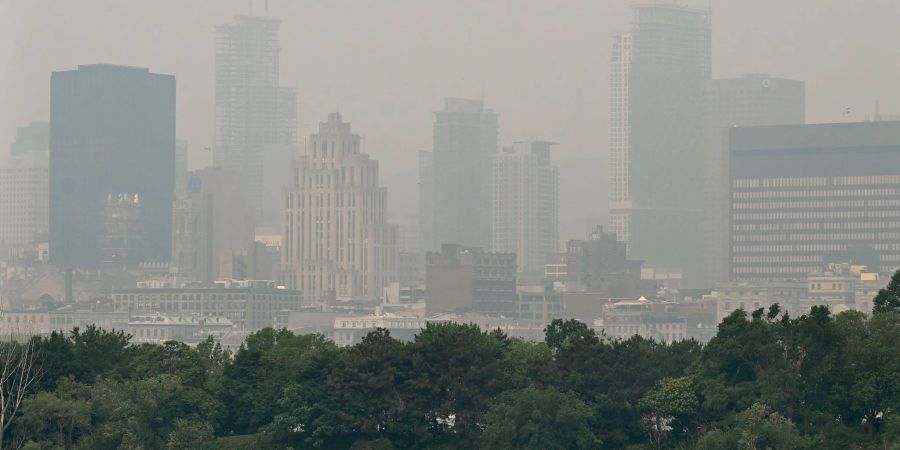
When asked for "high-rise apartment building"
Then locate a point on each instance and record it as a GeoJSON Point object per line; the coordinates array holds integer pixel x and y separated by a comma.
{"type": "Point", "coordinates": [806, 196]}
{"type": "Point", "coordinates": [255, 123]}
{"type": "Point", "coordinates": [659, 73]}
{"type": "Point", "coordinates": [525, 204]}
{"type": "Point", "coordinates": [751, 100]}
{"type": "Point", "coordinates": [25, 187]}
{"type": "Point", "coordinates": [210, 224]}
{"type": "Point", "coordinates": [112, 133]}
{"type": "Point", "coordinates": [458, 189]}
{"type": "Point", "coordinates": [337, 243]}
{"type": "Point", "coordinates": [619, 197]}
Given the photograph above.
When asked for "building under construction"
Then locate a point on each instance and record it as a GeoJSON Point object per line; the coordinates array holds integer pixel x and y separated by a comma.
{"type": "Point", "coordinates": [255, 124]}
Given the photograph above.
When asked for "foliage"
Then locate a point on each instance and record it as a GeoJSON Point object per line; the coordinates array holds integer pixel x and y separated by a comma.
{"type": "Point", "coordinates": [541, 418]}
{"type": "Point", "coordinates": [888, 299]}
{"type": "Point", "coordinates": [756, 428]}
{"type": "Point", "coordinates": [668, 407]}
{"type": "Point", "coordinates": [766, 380]}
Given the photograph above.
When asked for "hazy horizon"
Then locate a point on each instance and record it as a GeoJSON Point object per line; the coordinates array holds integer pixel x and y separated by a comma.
{"type": "Point", "coordinates": [393, 62]}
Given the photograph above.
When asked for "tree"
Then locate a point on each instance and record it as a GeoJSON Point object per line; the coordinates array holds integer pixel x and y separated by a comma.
{"type": "Point", "coordinates": [370, 388]}
{"type": "Point", "coordinates": [58, 417]}
{"type": "Point", "coordinates": [21, 369]}
{"type": "Point", "coordinates": [888, 298]}
{"type": "Point", "coordinates": [213, 357]}
{"type": "Point", "coordinates": [143, 413]}
{"type": "Point", "coordinates": [190, 435]}
{"type": "Point", "coordinates": [539, 418]}
{"type": "Point", "coordinates": [527, 363]}
{"type": "Point", "coordinates": [756, 428]}
{"type": "Point", "coordinates": [669, 404]}
{"type": "Point", "coordinates": [564, 332]}
{"type": "Point", "coordinates": [270, 366]}
{"type": "Point", "coordinates": [455, 374]}
{"type": "Point", "coordinates": [747, 361]}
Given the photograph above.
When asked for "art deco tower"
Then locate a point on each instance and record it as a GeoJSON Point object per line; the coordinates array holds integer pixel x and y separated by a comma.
{"type": "Point", "coordinates": [336, 242]}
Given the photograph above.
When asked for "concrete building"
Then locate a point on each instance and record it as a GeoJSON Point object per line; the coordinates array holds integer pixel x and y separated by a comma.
{"type": "Point", "coordinates": [839, 286]}
{"type": "Point", "coordinates": [349, 330]}
{"type": "Point", "coordinates": [599, 265]}
{"type": "Point", "coordinates": [805, 196]}
{"type": "Point", "coordinates": [337, 243]}
{"type": "Point", "coordinates": [469, 279]}
{"type": "Point", "coordinates": [455, 176]}
{"type": "Point", "coordinates": [525, 204]}
{"type": "Point", "coordinates": [650, 320]}
{"type": "Point", "coordinates": [25, 187]}
{"type": "Point", "coordinates": [249, 305]}
{"type": "Point", "coordinates": [159, 328]}
{"type": "Point", "coordinates": [257, 261]}
{"type": "Point", "coordinates": [842, 287]}
{"type": "Point", "coordinates": [410, 273]}
{"type": "Point", "coordinates": [659, 73]}
{"type": "Point", "coordinates": [255, 117]}
{"type": "Point", "coordinates": [210, 223]}
{"type": "Point", "coordinates": [753, 99]}
{"type": "Point", "coordinates": [540, 305]}
{"type": "Point", "coordinates": [112, 132]}
{"type": "Point", "coordinates": [751, 296]}
{"type": "Point", "coordinates": [24, 323]}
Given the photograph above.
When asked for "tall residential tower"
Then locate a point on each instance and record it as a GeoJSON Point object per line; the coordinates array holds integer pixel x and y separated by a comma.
{"type": "Point", "coordinates": [659, 74]}
{"type": "Point", "coordinates": [456, 188]}
{"type": "Point", "coordinates": [525, 204]}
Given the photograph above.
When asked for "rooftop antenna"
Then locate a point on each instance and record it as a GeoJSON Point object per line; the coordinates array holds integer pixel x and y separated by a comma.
{"type": "Point", "coordinates": [266, 6]}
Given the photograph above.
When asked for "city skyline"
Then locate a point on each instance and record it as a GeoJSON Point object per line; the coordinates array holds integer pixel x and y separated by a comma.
{"type": "Point", "coordinates": [740, 46]}
{"type": "Point", "coordinates": [581, 224]}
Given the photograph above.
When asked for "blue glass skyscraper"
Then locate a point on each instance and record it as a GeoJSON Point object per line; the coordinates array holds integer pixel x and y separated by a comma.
{"type": "Point", "coordinates": [112, 136]}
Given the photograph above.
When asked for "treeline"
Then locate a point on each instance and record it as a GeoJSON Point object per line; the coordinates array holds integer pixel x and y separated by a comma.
{"type": "Point", "coordinates": [765, 381]}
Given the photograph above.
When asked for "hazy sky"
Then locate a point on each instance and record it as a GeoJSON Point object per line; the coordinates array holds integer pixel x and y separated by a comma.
{"type": "Point", "coordinates": [387, 64]}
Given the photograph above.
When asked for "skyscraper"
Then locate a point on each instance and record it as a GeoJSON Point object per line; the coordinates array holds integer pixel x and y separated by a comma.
{"type": "Point", "coordinates": [112, 133]}
{"type": "Point", "coordinates": [619, 197]}
{"type": "Point", "coordinates": [25, 186]}
{"type": "Point", "coordinates": [657, 135]}
{"type": "Point", "coordinates": [804, 196]}
{"type": "Point", "coordinates": [753, 99]}
{"type": "Point", "coordinates": [525, 202]}
{"type": "Point", "coordinates": [337, 243]}
{"type": "Point", "coordinates": [457, 185]}
{"type": "Point", "coordinates": [255, 123]}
